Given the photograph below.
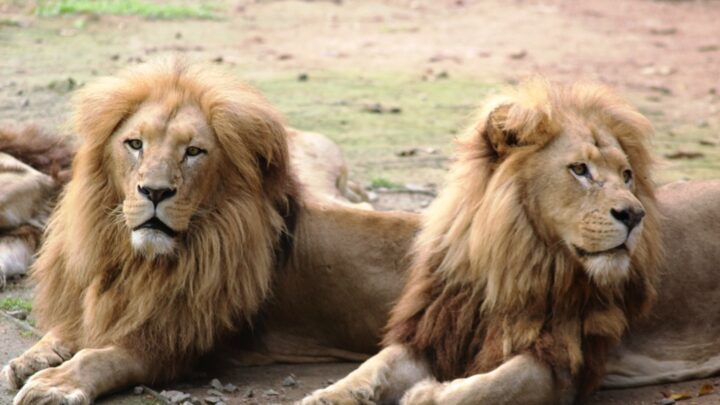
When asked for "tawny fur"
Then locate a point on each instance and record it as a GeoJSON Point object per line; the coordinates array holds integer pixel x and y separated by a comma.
{"type": "Point", "coordinates": [45, 152]}
{"type": "Point", "coordinates": [93, 291]}
{"type": "Point", "coordinates": [489, 280]}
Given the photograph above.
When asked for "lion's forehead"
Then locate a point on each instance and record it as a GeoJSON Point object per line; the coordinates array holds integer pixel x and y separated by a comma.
{"type": "Point", "coordinates": [593, 144]}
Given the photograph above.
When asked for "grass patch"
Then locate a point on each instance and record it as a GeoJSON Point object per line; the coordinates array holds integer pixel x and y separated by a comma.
{"type": "Point", "coordinates": [335, 104]}
{"type": "Point", "coordinates": [176, 10]}
{"type": "Point", "coordinates": [379, 182]}
{"type": "Point", "coordinates": [14, 304]}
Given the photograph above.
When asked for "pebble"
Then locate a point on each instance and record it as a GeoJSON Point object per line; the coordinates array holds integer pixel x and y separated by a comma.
{"type": "Point", "coordinates": [175, 397]}
{"type": "Point", "coordinates": [213, 400]}
{"type": "Point", "coordinates": [290, 381]}
{"type": "Point", "coordinates": [215, 383]}
{"type": "Point", "coordinates": [271, 393]}
{"type": "Point", "coordinates": [138, 390]}
{"type": "Point", "coordinates": [215, 393]}
{"type": "Point", "coordinates": [230, 388]}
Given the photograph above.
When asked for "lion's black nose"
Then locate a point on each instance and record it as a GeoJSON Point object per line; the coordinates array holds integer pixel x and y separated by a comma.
{"type": "Point", "coordinates": [628, 216]}
{"type": "Point", "coordinates": [156, 195]}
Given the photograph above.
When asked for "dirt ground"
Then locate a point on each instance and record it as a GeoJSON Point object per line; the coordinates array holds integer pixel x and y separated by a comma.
{"type": "Point", "coordinates": [323, 62]}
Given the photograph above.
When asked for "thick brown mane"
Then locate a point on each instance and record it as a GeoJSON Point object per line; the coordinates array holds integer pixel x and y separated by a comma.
{"type": "Point", "coordinates": [93, 290]}
{"type": "Point", "coordinates": [487, 283]}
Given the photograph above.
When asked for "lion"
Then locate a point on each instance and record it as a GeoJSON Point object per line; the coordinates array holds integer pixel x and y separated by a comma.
{"type": "Point", "coordinates": [531, 263]}
{"type": "Point", "coordinates": [181, 217]}
{"type": "Point", "coordinates": [33, 167]}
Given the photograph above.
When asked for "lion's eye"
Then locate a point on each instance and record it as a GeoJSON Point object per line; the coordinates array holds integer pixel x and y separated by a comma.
{"type": "Point", "coordinates": [134, 144]}
{"type": "Point", "coordinates": [627, 176]}
{"type": "Point", "coordinates": [579, 169]}
{"type": "Point", "coordinates": [194, 151]}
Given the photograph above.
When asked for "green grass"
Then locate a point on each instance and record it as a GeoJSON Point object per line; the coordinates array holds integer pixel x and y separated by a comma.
{"type": "Point", "coordinates": [14, 304]}
{"type": "Point", "coordinates": [379, 182]}
{"type": "Point", "coordinates": [432, 113]}
{"type": "Point", "coordinates": [173, 10]}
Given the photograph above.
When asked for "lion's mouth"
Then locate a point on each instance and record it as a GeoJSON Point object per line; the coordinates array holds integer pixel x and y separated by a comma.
{"type": "Point", "coordinates": [156, 224]}
{"type": "Point", "coordinates": [617, 249]}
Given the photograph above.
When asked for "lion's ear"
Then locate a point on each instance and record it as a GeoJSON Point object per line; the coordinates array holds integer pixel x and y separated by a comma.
{"type": "Point", "coordinates": [511, 125]}
{"type": "Point", "coordinates": [500, 138]}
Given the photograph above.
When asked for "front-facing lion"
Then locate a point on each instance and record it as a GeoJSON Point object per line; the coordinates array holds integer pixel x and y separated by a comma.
{"type": "Point", "coordinates": [531, 263]}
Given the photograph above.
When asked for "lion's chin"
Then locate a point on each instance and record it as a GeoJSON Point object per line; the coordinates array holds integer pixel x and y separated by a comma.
{"type": "Point", "coordinates": [151, 242]}
{"type": "Point", "coordinates": [608, 269]}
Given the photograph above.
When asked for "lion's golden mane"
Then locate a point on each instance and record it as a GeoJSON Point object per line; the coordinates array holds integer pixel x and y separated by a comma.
{"type": "Point", "coordinates": [485, 285]}
{"type": "Point", "coordinates": [93, 290]}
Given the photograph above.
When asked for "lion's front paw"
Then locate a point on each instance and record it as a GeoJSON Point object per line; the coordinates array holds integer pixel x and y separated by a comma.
{"type": "Point", "coordinates": [340, 396]}
{"type": "Point", "coordinates": [423, 393]}
{"type": "Point", "coordinates": [50, 388]}
{"type": "Point", "coordinates": [23, 367]}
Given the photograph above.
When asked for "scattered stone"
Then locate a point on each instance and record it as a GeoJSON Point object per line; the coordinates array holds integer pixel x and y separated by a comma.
{"type": "Point", "coordinates": [661, 89]}
{"type": "Point", "coordinates": [230, 388]}
{"type": "Point", "coordinates": [290, 381]}
{"type": "Point", "coordinates": [138, 390]}
{"type": "Point", "coordinates": [175, 397]}
{"type": "Point", "coordinates": [178, 35]}
{"type": "Point", "coordinates": [666, 401]}
{"type": "Point", "coordinates": [250, 393]}
{"type": "Point", "coordinates": [284, 56]}
{"type": "Point", "coordinates": [372, 197]}
{"type": "Point", "coordinates": [684, 155]}
{"type": "Point", "coordinates": [212, 400]}
{"type": "Point", "coordinates": [271, 393]}
{"type": "Point", "coordinates": [215, 383]}
{"type": "Point", "coordinates": [303, 77]}
{"type": "Point", "coordinates": [115, 57]}
{"type": "Point", "coordinates": [663, 30]}
{"type": "Point", "coordinates": [218, 59]}
{"type": "Point", "coordinates": [658, 70]}
{"type": "Point", "coordinates": [407, 152]}
{"type": "Point", "coordinates": [518, 54]}
{"type": "Point", "coordinates": [215, 393]}
{"type": "Point", "coordinates": [707, 142]}
{"type": "Point", "coordinates": [378, 108]}
{"type": "Point", "coordinates": [708, 48]}
{"type": "Point", "coordinates": [25, 103]}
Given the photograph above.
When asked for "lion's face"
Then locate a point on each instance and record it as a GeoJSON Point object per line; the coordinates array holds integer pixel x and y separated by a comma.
{"type": "Point", "coordinates": [165, 162]}
{"type": "Point", "coordinates": [583, 188]}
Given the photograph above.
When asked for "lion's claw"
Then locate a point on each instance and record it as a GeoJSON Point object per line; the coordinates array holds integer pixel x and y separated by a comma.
{"type": "Point", "coordinates": [47, 389]}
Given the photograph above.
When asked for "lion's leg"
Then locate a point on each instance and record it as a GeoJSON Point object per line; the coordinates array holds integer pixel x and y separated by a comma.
{"type": "Point", "coordinates": [381, 379]}
{"type": "Point", "coordinates": [50, 351]}
{"type": "Point", "coordinates": [521, 380]}
{"type": "Point", "coordinates": [89, 374]}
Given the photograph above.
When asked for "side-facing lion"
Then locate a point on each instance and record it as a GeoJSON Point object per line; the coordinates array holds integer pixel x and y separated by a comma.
{"type": "Point", "coordinates": [181, 217]}
{"type": "Point", "coordinates": [531, 263]}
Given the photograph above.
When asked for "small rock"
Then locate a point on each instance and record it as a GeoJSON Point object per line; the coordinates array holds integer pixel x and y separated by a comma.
{"type": "Point", "coordinates": [115, 57]}
{"type": "Point", "coordinates": [666, 401]}
{"type": "Point", "coordinates": [175, 397]}
{"type": "Point", "coordinates": [708, 48]}
{"type": "Point", "coordinates": [178, 35]}
{"type": "Point", "coordinates": [25, 103]}
{"type": "Point", "coordinates": [518, 54]}
{"type": "Point", "coordinates": [407, 152]}
{"type": "Point", "coordinates": [284, 56]}
{"type": "Point", "coordinates": [271, 393]}
{"type": "Point", "coordinates": [230, 388]}
{"type": "Point", "coordinates": [215, 393]}
{"type": "Point", "coordinates": [215, 383]}
{"type": "Point", "coordinates": [138, 390]}
{"type": "Point", "coordinates": [663, 31]}
{"type": "Point", "coordinates": [250, 393]}
{"type": "Point", "coordinates": [290, 381]}
{"type": "Point", "coordinates": [303, 77]}
{"type": "Point", "coordinates": [212, 400]}
{"type": "Point", "coordinates": [658, 70]}
{"type": "Point", "coordinates": [684, 155]}
{"type": "Point", "coordinates": [661, 89]}
{"type": "Point", "coordinates": [218, 59]}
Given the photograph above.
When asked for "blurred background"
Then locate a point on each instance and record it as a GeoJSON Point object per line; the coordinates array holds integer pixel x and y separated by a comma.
{"type": "Point", "coordinates": [392, 81]}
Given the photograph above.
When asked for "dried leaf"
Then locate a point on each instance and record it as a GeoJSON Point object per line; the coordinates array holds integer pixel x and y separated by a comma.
{"type": "Point", "coordinates": [679, 396]}
{"type": "Point", "coordinates": [706, 389]}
